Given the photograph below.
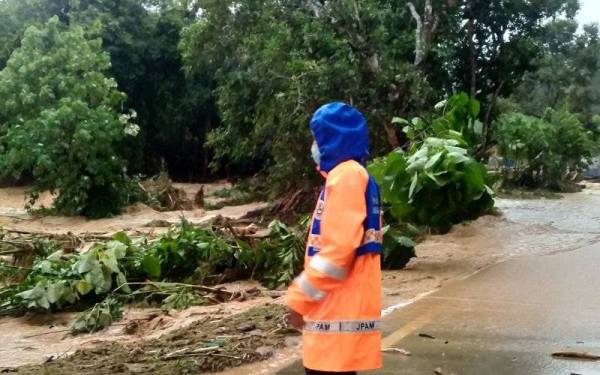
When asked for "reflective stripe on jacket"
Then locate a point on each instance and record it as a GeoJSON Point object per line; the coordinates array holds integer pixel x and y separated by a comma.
{"type": "Point", "coordinates": [339, 291]}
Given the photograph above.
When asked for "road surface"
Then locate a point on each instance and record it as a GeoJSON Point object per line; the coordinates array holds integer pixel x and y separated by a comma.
{"type": "Point", "coordinates": [507, 319]}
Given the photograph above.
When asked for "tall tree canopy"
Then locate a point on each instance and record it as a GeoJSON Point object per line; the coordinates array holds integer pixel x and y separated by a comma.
{"type": "Point", "coordinates": [141, 38]}
{"type": "Point", "coordinates": [60, 120]}
{"type": "Point", "coordinates": [232, 84]}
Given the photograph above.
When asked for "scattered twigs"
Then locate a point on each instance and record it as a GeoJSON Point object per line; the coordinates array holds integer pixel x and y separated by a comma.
{"type": "Point", "coordinates": [202, 288]}
{"type": "Point", "coordinates": [185, 352]}
{"type": "Point", "coordinates": [214, 295]}
{"type": "Point", "coordinates": [48, 333]}
{"type": "Point", "coordinates": [577, 355]}
{"type": "Point", "coordinates": [14, 267]}
{"type": "Point", "coordinates": [396, 350]}
{"type": "Point", "coordinates": [13, 251]}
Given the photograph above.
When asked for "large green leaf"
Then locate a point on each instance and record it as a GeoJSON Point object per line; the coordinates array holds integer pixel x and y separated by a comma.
{"type": "Point", "coordinates": [122, 237]}
{"type": "Point", "coordinates": [110, 260]}
{"type": "Point", "coordinates": [36, 297]}
{"type": "Point", "coordinates": [55, 291]}
{"type": "Point", "coordinates": [433, 160]}
{"type": "Point", "coordinates": [86, 262]}
{"type": "Point", "coordinates": [413, 187]}
{"type": "Point", "coordinates": [119, 249]}
{"type": "Point", "coordinates": [151, 265]}
{"type": "Point", "coordinates": [83, 287]}
{"type": "Point", "coordinates": [122, 283]}
{"type": "Point", "coordinates": [474, 176]}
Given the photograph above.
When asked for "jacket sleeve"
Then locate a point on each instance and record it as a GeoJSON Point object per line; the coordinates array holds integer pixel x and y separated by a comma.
{"type": "Point", "coordinates": [341, 234]}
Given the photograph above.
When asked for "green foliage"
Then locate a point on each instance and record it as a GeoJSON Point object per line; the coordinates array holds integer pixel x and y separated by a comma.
{"type": "Point", "coordinates": [17, 15]}
{"type": "Point", "coordinates": [493, 44]}
{"type": "Point", "coordinates": [437, 182]}
{"type": "Point", "coordinates": [595, 133]}
{"type": "Point", "coordinates": [438, 186]}
{"type": "Point", "coordinates": [116, 271]}
{"type": "Point", "coordinates": [170, 295]}
{"type": "Point", "coordinates": [567, 74]}
{"type": "Point", "coordinates": [57, 281]}
{"type": "Point", "coordinates": [398, 248]}
{"type": "Point", "coordinates": [455, 118]}
{"type": "Point", "coordinates": [141, 37]}
{"type": "Point", "coordinates": [60, 121]}
{"type": "Point", "coordinates": [100, 316]}
{"type": "Point", "coordinates": [181, 299]}
{"type": "Point", "coordinates": [281, 256]}
{"type": "Point", "coordinates": [8, 273]}
{"type": "Point", "coordinates": [548, 152]}
{"type": "Point", "coordinates": [179, 253]}
{"type": "Point", "coordinates": [244, 77]}
{"type": "Point", "coordinates": [269, 81]}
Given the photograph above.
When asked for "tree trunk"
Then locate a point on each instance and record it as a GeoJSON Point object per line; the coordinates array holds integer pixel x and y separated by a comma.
{"type": "Point", "coordinates": [488, 116]}
{"type": "Point", "coordinates": [392, 137]}
{"type": "Point", "coordinates": [426, 27]}
{"type": "Point", "coordinates": [472, 60]}
{"type": "Point", "coordinates": [418, 34]}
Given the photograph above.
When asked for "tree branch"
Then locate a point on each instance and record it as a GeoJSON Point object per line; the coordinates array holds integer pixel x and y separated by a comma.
{"type": "Point", "coordinates": [415, 14]}
{"type": "Point", "coordinates": [436, 23]}
{"type": "Point", "coordinates": [357, 15]}
{"type": "Point", "coordinates": [316, 8]}
{"type": "Point", "coordinates": [418, 34]}
{"type": "Point", "coordinates": [488, 115]}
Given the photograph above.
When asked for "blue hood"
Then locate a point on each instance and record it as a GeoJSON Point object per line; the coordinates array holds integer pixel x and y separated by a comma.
{"type": "Point", "coordinates": [341, 134]}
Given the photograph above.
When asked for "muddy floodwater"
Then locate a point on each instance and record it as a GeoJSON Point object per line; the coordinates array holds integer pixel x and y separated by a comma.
{"type": "Point", "coordinates": [520, 227]}
{"type": "Point", "coordinates": [574, 213]}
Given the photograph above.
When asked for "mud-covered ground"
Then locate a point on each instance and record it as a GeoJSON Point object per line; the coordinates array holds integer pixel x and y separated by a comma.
{"type": "Point", "coordinates": [521, 227]}
{"type": "Point", "coordinates": [208, 345]}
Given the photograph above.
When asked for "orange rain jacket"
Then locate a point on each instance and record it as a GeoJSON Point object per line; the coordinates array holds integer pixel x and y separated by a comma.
{"type": "Point", "coordinates": [339, 291]}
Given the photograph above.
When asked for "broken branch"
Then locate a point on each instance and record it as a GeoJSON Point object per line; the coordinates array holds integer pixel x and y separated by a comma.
{"type": "Point", "coordinates": [577, 355]}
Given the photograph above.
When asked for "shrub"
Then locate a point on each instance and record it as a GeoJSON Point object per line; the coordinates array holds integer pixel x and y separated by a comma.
{"type": "Point", "coordinates": [438, 186]}
{"type": "Point", "coordinates": [548, 152]}
{"type": "Point", "coordinates": [60, 121]}
{"type": "Point", "coordinates": [455, 118]}
{"type": "Point", "coordinates": [436, 182]}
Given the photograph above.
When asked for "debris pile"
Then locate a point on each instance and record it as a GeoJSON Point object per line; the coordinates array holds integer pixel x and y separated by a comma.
{"type": "Point", "coordinates": [205, 346]}
{"type": "Point", "coordinates": [161, 195]}
{"type": "Point", "coordinates": [174, 271]}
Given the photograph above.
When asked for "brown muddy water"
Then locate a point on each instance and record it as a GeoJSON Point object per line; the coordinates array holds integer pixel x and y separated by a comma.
{"type": "Point", "coordinates": [521, 227]}
{"type": "Point", "coordinates": [137, 219]}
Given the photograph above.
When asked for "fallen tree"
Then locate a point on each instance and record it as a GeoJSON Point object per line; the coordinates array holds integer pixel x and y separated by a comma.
{"type": "Point", "coordinates": [173, 270]}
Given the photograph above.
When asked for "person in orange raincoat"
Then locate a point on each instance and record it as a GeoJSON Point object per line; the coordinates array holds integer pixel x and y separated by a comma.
{"type": "Point", "coordinates": [336, 300]}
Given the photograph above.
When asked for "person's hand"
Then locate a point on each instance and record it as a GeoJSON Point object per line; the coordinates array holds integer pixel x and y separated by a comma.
{"type": "Point", "coordinates": [294, 319]}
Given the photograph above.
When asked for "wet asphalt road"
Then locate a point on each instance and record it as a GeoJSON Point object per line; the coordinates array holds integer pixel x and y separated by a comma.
{"type": "Point", "coordinates": [507, 319]}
